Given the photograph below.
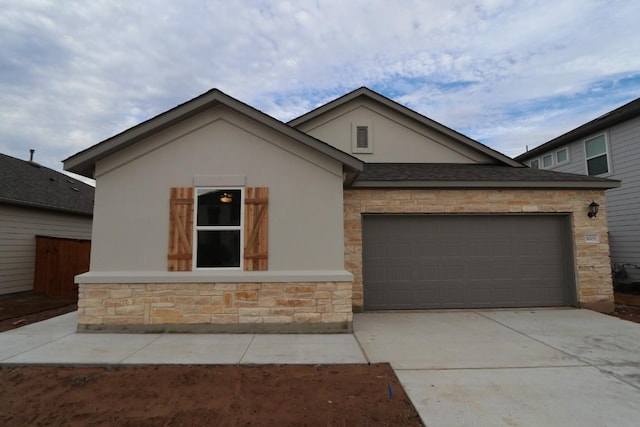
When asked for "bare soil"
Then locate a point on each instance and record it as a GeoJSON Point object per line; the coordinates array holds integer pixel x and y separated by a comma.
{"type": "Point", "coordinates": [21, 309]}
{"type": "Point", "coordinates": [228, 395]}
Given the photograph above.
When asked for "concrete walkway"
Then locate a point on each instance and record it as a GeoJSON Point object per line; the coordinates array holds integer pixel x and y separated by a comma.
{"type": "Point", "coordinates": [55, 341]}
{"type": "Point", "coordinates": [561, 367]}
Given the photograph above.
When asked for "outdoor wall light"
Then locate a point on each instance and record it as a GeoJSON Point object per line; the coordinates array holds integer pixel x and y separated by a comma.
{"type": "Point", "coordinates": [226, 198]}
{"type": "Point", "coordinates": [593, 209]}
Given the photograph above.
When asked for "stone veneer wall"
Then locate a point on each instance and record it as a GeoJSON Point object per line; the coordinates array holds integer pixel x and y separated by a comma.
{"type": "Point", "coordinates": [592, 269]}
{"type": "Point", "coordinates": [216, 307]}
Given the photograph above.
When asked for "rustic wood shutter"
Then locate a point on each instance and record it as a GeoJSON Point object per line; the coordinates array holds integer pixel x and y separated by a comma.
{"type": "Point", "coordinates": [256, 223]}
{"type": "Point", "coordinates": [180, 229]}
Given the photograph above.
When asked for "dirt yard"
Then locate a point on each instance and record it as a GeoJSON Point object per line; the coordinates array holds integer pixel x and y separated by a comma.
{"type": "Point", "coordinates": [229, 395]}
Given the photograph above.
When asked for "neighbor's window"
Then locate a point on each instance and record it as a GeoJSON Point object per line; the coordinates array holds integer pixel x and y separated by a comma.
{"type": "Point", "coordinates": [218, 227]}
{"type": "Point", "coordinates": [547, 161]}
{"type": "Point", "coordinates": [596, 154]}
{"type": "Point", "coordinates": [535, 164]}
{"type": "Point", "coordinates": [562, 156]}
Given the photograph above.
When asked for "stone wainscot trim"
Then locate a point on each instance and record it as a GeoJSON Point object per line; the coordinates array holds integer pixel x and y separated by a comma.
{"type": "Point", "coordinates": [263, 307]}
{"type": "Point", "coordinates": [592, 262]}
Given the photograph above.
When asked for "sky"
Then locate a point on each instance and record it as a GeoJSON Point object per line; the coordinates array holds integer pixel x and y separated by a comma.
{"type": "Point", "coordinates": [508, 73]}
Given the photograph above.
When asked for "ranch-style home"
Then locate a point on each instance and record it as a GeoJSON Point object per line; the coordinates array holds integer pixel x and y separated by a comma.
{"type": "Point", "coordinates": [216, 217]}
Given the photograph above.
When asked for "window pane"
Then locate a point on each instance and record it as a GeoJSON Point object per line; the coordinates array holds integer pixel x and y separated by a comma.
{"type": "Point", "coordinates": [534, 164]}
{"type": "Point", "coordinates": [219, 207]}
{"type": "Point", "coordinates": [597, 165]}
{"type": "Point", "coordinates": [547, 161]}
{"type": "Point", "coordinates": [219, 248]}
{"type": "Point", "coordinates": [561, 156]}
{"type": "Point", "coordinates": [596, 146]}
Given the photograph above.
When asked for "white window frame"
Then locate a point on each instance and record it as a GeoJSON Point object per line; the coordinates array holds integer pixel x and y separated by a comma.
{"type": "Point", "coordinates": [536, 161]}
{"type": "Point", "coordinates": [565, 149]}
{"type": "Point", "coordinates": [606, 152]}
{"type": "Point", "coordinates": [548, 155]}
{"type": "Point", "coordinates": [354, 138]}
{"type": "Point", "coordinates": [197, 228]}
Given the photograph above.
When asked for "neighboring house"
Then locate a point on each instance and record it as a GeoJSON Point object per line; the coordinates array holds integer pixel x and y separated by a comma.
{"type": "Point", "coordinates": [36, 201]}
{"type": "Point", "coordinates": [609, 147]}
{"type": "Point", "coordinates": [214, 216]}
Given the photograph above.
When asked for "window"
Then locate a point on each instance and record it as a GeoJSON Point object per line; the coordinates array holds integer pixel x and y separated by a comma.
{"type": "Point", "coordinates": [562, 156]}
{"type": "Point", "coordinates": [596, 155]}
{"type": "Point", "coordinates": [222, 221]}
{"type": "Point", "coordinates": [535, 164]}
{"type": "Point", "coordinates": [218, 228]}
{"type": "Point", "coordinates": [547, 161]}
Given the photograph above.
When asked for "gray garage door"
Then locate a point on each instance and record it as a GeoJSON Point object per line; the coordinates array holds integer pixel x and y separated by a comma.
{"type": "Point", "coordinates": [466, 261]}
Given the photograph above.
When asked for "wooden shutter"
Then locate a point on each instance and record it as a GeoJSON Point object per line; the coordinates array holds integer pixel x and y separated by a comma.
{"type": "Point", "coordinates": [180, 229]}
{"type": "Point", "coordinates": [256, 227]}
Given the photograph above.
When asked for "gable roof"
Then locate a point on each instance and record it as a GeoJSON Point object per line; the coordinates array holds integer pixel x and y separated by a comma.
{"type": "Point", "coordinates": [25, 183]}
{"type": "Point", "coordinates": [83, 163]}
{"type": "Point", "coordinates": [401, 109]}
{"type": "Point", "coordinates": [621, 114]}
{"type": "Point", "coordinates": [448, 175]}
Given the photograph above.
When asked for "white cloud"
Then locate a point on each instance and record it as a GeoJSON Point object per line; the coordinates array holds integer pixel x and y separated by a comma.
{"type": "Point", "coordinates": [510, 73]}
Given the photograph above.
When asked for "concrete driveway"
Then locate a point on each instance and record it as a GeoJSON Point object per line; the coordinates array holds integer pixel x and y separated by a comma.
{"type": "Point", "coordinates": [559, 367]}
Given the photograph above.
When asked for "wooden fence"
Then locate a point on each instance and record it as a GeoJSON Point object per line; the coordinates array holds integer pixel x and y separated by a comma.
{"type": "Point", "coordinates": [58, 261]}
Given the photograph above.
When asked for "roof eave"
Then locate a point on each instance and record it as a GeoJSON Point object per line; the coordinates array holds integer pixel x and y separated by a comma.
{"type": "Point", "coordinates": [44, 207]}
{"type": "Point", "coordinates": [83, 163]}
{"type": "Point", "coordinates": [598, 124]}
{"type": "Point", "coordinates": [604, 185]}
{"type": "Point", "coordinates": [366, 92]}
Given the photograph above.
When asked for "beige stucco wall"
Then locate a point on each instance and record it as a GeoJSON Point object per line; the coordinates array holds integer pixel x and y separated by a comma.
{"type": "Point", "coordinates": [396, 138]}
{"type": "Point", "coordinates": [131, 222]}
{"type": "Point", "coordinates": [592, 264]}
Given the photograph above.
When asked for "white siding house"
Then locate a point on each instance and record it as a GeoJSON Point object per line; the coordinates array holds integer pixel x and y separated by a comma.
{"type": "Point", "coordinates": [36, 201]}
{"type": "Point", "coordinates": [608, 147]}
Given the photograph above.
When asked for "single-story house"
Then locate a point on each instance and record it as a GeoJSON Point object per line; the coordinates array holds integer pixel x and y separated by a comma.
{"type": "Point", "coordinates": [36, 201]}
{"type": "Point", "coordinates": [214, 216]}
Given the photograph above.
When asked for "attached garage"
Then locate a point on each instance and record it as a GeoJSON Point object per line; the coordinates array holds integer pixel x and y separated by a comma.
{"type": "Point", "coordinates": [432, 261]}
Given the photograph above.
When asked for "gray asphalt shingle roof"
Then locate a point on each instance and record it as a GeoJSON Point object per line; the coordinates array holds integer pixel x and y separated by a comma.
{"type": "Point", "coordinates": [448, 172]}
{"type": "Point", "coordinates": [30, 184]}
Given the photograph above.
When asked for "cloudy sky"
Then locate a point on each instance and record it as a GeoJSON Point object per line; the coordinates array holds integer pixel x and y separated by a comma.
{"type": "Point", "coordinates": [509, 73]}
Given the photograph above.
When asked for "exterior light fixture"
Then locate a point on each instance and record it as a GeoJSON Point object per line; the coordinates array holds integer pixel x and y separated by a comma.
{"type": "Point", "coordinates": [226, 198]}
{"type": "Point", "coordinates": [593, 210]}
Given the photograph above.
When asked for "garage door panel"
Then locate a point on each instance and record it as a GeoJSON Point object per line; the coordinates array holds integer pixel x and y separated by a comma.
{"type": "Point", "coordinates": [457, 261]}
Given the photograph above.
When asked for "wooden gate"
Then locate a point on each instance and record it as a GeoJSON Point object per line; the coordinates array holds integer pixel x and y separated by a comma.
{"type": "Point", "coordinates": [58, 261]}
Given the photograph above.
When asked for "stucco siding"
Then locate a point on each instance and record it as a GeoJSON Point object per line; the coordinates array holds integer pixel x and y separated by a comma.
{"type": "Point", "coordinates": [18, 228]}
{"type": "Point", "coordinates": [131, 221]}
{"type": "Point", "coordinates": [395, 138]}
